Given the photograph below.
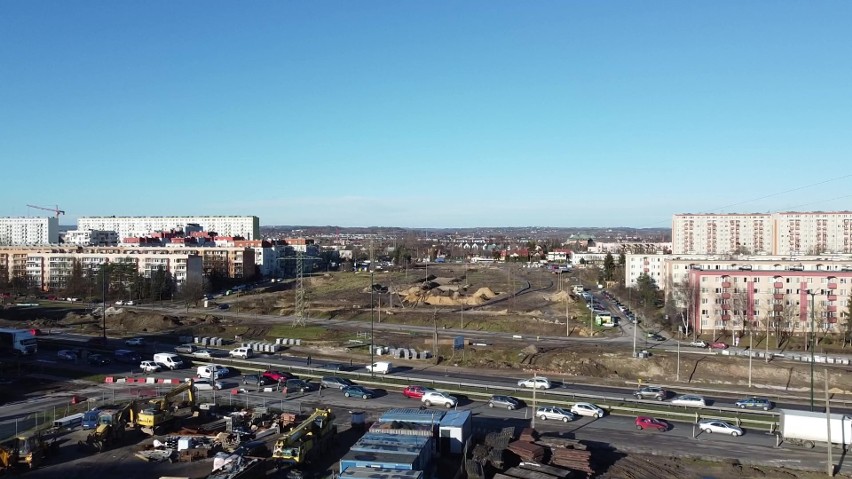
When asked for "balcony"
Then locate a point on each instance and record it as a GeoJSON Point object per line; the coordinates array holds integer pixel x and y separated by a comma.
{"type": "Point", "coordinates": [832, 285]}
{"type": "Point", "coordinates": [726, 317]}
{"type": "Point", "coordinates": [778, 296]}
{"type": "Point", "coordinates": [726, 284]}
{"type": "Point", "coordinates": [832, 297]}
{"type": "Point", "coordinates": [778, 308]}
{"type": "Point", "coordinates": [726, 306]}
{"type": "Point", "coordinates": [831, 309]}
{"type": "Point", "coordinates": [726, 295]}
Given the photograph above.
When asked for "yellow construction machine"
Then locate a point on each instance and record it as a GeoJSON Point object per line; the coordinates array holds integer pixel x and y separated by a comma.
{"type": "Point", "coordinates": [28, 451]}
{"type": "Point", "coordinates": [162, 414]}
{"type": "Point", "coordinates": [112, 425]}
{"type": "Point", "coordinates": [302, 443]}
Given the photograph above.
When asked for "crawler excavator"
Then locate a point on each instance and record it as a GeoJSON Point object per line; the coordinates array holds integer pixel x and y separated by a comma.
{"type": "Point", "coordinates": [302, 443]}
{"type": "Point", "coordinates": [111, 428]}
{"type": "Point", "coordinates": [161, 415]}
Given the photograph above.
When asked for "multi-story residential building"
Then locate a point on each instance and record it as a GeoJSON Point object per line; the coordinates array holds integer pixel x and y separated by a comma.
{"type": "Point", "coordinates": [90, 238]}
{"type": "Point", "coordinates": [247, 227]}
{"type": "Point", "coordinates": [29, 231]}
{"type": "Point", "coordinates": [630, 247]}
{"type": "Point", "coordinates": [790, 233]}
{"type": "Point", "coordinates": [48, 268]}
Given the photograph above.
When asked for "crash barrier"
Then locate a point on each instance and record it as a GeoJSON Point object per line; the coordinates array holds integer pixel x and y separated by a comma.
{"type": "Point", "coordinates": [803, 356]}
{"type": "Point", "coordinates": [142, 380]}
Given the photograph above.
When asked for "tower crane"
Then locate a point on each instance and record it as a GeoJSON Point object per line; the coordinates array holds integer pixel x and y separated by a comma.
{"type": "Point", "coordinates": [55, 209]}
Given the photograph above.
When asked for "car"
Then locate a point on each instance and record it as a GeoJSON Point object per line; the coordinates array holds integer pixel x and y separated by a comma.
{"type": "Point", "coordinates": [119, 303]}
{"type": "Point", "coordinates": [224, 306]}
{"type": "Point", "coordinates": [656, 337]}
{"type": "Point", "coordinates": [698, 343]}
{"type": "Point", "coordinates": [335, 382]}
{"type": "Point", "coordinates": [356, 391]}
{"type": "Point", "coordinates": [506, 402]}
{"type": "Point", "coordinates": [719, 426]}
{"type": "Point", "coordinates": [646, 422]}
{"type": "Point", "coordinates": [134, 342]}
{"type": "Point", "coordinates": [295, 384]}
{"type": "Point", "coordinates": [538, 382]}
{"type": "Point", "coordinates": [755, 403]}
{"type": "Point", "coordinates": [257, 380]}
{"type": "Point", "coordinates": [415, 392]}
{"type": "Point", "coordinates": [203, 353]}
{"type": "Point", "coordinates": [67, 355]}
{"type": "Point", "coordinates": [242, 352]}
{"type": "Point", "coordinates": [149, 366]}
{"type": "Point", "coordinates": [693, 400]}
{"type": "Point", "coordinates": [277, 376]}
{"type": "Point", "coordinates": [718, 345]}
{"type": "Point", "coordinates": [186, 348]}
{"type": "Point", "coordinates": [335, 367]}
{"type": "Point", "coordinates": [651, 392]}
{"type": "Point", "coordinates": [587, 409]}
{"type": "Point", "coordinates": [554, 412]}
{"type": "Point", "coordinates": [206, 384]}
{"type": "Point", "coordinates": [129, 303]}
{"type": "Point", "coordinates": [98, 360]}
{"type": "Point", "coordinates": [439, 398]}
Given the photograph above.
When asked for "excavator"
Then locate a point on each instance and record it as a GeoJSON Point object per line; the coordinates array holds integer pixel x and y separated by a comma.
{"type": "Point", "coordinates": [162, 414]}
{"type": "Point", "coordinates": [29, 451]}
{"type": "Point", "coordinates": [302, 443]}
{"type": "Point", "coordinates": [111, 427]}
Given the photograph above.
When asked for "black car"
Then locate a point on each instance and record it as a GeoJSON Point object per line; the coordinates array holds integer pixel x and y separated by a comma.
{"type": "Point", "coordinates": [98, 360]}
{"type": "Point", "coordinates": [257, 380]}
{"type": "Point", "coordinates": [358, 392]}
{"type": "Point", "coordinates": [656, 337]}
{"type": "Point", "coordinates": [335, 382]}
{"type": "Point", "coordinates": [506, 402]}
{"type": "Point", "coordinates": [300, 385]}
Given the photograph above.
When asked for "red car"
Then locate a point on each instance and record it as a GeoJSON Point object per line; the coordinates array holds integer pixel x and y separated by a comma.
{"type": "Point", "coordinates": [277, 376]}
{"type": "Point", "coordinates": [645, 422]}
{"type": "Point", "coordinates": [718, 345]}
{"type": "Point", "coordinates": [415, 392]}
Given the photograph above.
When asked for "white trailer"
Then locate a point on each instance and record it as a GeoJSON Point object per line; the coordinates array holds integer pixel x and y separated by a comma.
{"type": "Point", "coordinates": [807, 428]}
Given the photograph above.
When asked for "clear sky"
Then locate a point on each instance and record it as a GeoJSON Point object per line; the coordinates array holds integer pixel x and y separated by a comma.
{"type": "Point", "coordinates": [426, 114]}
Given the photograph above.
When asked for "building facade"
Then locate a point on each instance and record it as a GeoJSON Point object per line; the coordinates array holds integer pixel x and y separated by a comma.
{"type": "Point", "coordinates": [29, 231]}
{"type": "Point", "coordinates": [789, 233]}
{"type": "Point", "coordinates": [90, 238]}
{"type": "Point", "coordinates": [247, 227]}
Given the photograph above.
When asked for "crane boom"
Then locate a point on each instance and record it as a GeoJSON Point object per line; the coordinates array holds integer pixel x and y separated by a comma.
{"type": "Point", "coordinates": [56, 210]}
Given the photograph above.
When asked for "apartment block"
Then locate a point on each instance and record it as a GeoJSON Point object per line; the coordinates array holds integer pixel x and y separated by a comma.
{"type": "Point", "coordinates": [90, 238]}
{"type": "Point", "coordinates": [789, 233]}
{"type": "Point", "coordinates": [29, 231]}
{"type": "Point", "coordinates": [247, 227]}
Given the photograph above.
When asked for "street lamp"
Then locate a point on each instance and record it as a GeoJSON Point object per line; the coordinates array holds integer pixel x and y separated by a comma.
{"type": "Point", "coordinates": [812, 343]}
{"type": "Point", "coordinates": [372, 344]}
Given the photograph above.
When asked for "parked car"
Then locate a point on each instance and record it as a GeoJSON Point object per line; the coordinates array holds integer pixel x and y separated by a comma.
{"type": "Point", "coordinates": [335, 382]}
{"type": "Point", "coordinates": [693, 400]}
{"type": "Point", "coordinates": [587, 409]}
{"type": "Point", "coordinates": [300, 385]}
{"type": "Point", "coordinates": [718, 345]}
{"type": "Point", "coordinates": [719, 426]}
{"type": "Point", "coordinates": [651, 392]}
{"type": "Point", "coordinates": [135, 342]}
{"type": "Point", "coordinates": [439, 398]}
{"type": "Point", "coordinates": [90, 418]}
{"type": "Point", "coordinates": [415, 392]}
{"type": "Point", "coordinates": [149, 366]}
{"type": "Point", "coordinates": [554, 412]}
{"type": "Point", "coordinates": [242, 352]}
{"type": "Point", "coordinates": [277, 376]}
{"type": "Point", "coordinates": [207, 384]}
{"type": "Point", "coordinates": [538, 382]}
{"type": "Point", "coordinates": [224, 306]}
{"type": "Point", "coordinates": [507, 402]}
{"type": "Point", "coordinates": [755, 403]}
{"type": "Point", "coordinates": [67, 355]}
{"type": "Point", "coordinates": [356, 391]}
{"type": "Point", "coordinates": [645, 422]}
{"type": "Point", "coordinates": [656, 337]}
{"type": "Point", "coordinates": [98, 360]}
{"type": "Point", "coordinates": [186, 348]}
{"type": "Point", "coordinates": [257, 380]}
{"type": "Point", "coordinates": [698, 343]}
{"type": "Point", "coordinates": [203, 354]}
{"type": "Point", "coordinates": [127, 356]}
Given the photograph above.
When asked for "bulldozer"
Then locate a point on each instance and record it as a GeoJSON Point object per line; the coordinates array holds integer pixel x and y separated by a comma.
{"type": "Point", "coordinates": [111, 428]}
{"type": "Point", "coordinates": [304, 442]}
{"type": "Point", "coordinates": [161, 415]}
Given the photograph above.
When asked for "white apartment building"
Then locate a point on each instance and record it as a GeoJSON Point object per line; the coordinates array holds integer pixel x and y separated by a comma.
{"type": "Point", "coordinates": [630, 247]}
{"type": "Point", "coordinates": [29, 231]}
{"type": "Point", "coordinates": [789, 233]}
{"type": "Point", "coordinates": [90, 238]}
{"type": "Point", "coordinates": [247, 227]}
{"type": "Point", "coordinates": [49, 268]}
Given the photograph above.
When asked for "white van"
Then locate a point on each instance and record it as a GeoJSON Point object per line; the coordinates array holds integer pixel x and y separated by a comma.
{"type": "Point", "coordinates": [214, 371]}
{"type": "Point", "coordinates": [168, 360]}
{"type": "Point", "coordinates": [243, 352]}
{"type": "Point", "coordinates": [380, 367]}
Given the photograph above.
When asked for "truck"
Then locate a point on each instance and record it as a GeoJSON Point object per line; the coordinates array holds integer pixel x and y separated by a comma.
{"type": "Point", "coordinates": [306, 441]}
{"type": "Point", "coordinates": [806, 428]}
{"type": "Point", "coordinates": [19, 342]}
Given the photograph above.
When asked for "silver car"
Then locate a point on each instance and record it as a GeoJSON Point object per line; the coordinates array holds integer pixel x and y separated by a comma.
{"type": "Point", "coordinates": [719, 426]}
{"type": "Point", "coordinates": [554, 412]}
{"type": "Point", "coordinates": [693, 400]}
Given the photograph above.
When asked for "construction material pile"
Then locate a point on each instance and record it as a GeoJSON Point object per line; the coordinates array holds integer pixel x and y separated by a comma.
{"type": "Point", "coordinates": [568, 454]}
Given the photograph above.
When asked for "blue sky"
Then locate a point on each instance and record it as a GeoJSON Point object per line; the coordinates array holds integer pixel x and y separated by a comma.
{"type": "Point", "coordinates": [426, 114]}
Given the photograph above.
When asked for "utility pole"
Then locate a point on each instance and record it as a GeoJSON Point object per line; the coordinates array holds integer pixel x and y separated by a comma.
{"type": "Point", "coordinates": [372, 342]}
{"type": "Point", "coordinates": [828, 426]}
{"type": "Point", "coordinates": [750, 354]}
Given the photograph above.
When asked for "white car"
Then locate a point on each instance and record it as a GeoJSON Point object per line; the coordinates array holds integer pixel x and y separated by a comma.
{"type": "Point", "coordinates": [149, 366]}
{"type": "Point", "coordinates": [698, 343]}
{"type": "Point", "coordinates": [587, 409]}
{"type": "Point", "coordinates": [536, 382]}
{"type": "Point", "coordinates": [203, 353]}
{"type": "Point", "coordinates": [242, 352]}
{"type": "Point", "coordinates": [206, 385]}
{"type": "Point", "coordinates": [554, 412]}
{"type": "Point", "coordinates": [719, 426]}
{"type": "Point", "coordinates": [119, 303]}
{"type": "Point", "coordinates": [693, 400]}
{"type": "Point", "coordinates": [439, 398]}
{"type": "Point", "coordinates": [135, 342]}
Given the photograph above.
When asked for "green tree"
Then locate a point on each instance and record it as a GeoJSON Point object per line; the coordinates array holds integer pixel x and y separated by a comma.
{"type": "Point", "coordinates": [75, 285]}
{"type": "Point", "coordinates": [847, 323]}
{"type": "Point", "coordinates": [609, 267]}
{"type": "Point", "coordinates": [647, 291]}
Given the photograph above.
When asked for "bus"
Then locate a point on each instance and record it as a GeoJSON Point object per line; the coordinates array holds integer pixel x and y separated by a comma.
{"type": "Point", "coordinates": [17, 341]}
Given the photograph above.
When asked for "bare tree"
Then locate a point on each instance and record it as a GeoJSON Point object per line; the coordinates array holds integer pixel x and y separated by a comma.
{"type": "Point", "coordinates": [686, 296]}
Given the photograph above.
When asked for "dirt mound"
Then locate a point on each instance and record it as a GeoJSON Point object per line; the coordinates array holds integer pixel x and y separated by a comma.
{"type": "Point", "coordinates": [560, 297]}
{"type": "Point", "coordinates": [132, 321]}
{"type": "Point", "coordinates": [485, 293]}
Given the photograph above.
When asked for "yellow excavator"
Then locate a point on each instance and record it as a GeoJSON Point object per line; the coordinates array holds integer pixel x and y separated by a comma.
{"type": "Point", "coordinates": [111, 427]}
{"type": "Point", "coordinates": [302, 443]}
{"type": "Point", "coordinates": [162, 414]}
{"type": "Point", "coordinates": [28, 451]}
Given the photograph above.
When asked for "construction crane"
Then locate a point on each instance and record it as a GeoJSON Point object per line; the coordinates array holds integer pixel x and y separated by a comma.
{"type": "Point", "coordinates": [56, 210]}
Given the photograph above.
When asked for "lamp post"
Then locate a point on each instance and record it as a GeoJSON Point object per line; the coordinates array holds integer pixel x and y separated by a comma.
{"type": "Point", "coordinates": [811, 346]}
{"type": "Point", "coordinates": [103, 298]}
{"type": "Point", "coordinates": [372, 344]}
